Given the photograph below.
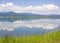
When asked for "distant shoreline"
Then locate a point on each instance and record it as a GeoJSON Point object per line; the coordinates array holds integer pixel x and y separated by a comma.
{"type": "Point", "coordinates": [30, 17]}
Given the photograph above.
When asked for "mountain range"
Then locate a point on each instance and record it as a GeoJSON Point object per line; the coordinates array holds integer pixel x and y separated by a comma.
{"type": "Point", "coordinates": [12, 16]}
{"type": "Point", "coordinates": [23, 14]}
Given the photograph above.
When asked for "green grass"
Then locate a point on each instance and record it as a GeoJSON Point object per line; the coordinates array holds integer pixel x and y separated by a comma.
{"type": "Point", "coordinates": [47, 38]}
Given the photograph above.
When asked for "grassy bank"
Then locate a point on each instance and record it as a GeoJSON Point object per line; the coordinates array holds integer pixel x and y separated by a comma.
{"type": "Point", "coordinates": [47, 38]}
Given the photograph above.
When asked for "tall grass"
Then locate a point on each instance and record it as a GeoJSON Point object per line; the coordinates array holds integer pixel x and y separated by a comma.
{"type": "Point", "coordinates": [47, 38]}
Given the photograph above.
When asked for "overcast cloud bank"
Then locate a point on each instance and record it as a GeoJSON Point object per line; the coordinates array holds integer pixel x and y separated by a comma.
{"type": "Point", "coordinates": [41, 9]}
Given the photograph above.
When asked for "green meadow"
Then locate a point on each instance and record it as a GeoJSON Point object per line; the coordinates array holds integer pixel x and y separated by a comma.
{"type": "Point", "coordinates": [53, 37]}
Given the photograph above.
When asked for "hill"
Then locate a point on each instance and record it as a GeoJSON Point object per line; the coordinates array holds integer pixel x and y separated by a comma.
{"type": "Point", "coordinates": [47, 38]}
{"type": "Point", "coordinates": [11, 16]}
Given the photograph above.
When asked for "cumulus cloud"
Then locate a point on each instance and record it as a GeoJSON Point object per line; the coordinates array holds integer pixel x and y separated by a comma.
{"type": "Point", "coordinates": [42, 23]}
{"type": "Point", "coordinates": [42, 9]}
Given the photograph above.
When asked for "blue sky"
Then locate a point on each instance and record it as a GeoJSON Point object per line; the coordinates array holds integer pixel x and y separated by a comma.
{"type": "Point", "coordinates": [32, 2]}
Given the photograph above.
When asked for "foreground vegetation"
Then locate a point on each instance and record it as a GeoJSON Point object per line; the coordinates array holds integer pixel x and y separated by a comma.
{"type": "Point", "coordinates": [47, 38]}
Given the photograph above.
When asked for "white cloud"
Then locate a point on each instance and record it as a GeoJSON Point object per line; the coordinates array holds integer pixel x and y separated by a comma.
{"type": "Point", "coordinates": [42, 23]}
{"type": "Point", "coordinates": [44, 9]}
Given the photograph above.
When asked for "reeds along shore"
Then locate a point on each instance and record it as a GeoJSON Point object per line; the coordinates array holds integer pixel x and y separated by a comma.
{"type": "Point", "coordinates": [47, 38]}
